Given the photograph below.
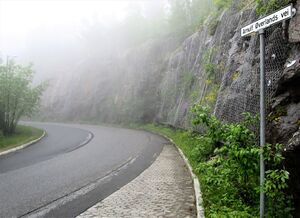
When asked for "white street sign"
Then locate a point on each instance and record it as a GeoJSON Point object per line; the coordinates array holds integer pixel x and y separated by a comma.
{"type": "Point", "coordinates": [280, 15]}
{"type": "Point", "coordinates": [267, 21]}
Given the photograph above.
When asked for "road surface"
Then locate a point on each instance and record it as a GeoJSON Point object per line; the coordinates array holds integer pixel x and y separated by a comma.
{"type": "Point", "coordinates": [68, 171]}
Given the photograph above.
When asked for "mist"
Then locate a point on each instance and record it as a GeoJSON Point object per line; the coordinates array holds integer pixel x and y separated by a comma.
{"type": "Point", "coordinates": [57, 34]}
{"type": "Point", "coordinates": [90, 74]}
{"type": "Point", "coordinates": [97, 56]}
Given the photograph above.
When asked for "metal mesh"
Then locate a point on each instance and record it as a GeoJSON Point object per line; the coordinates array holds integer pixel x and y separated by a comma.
{"type": "Point", "coordinates": [243, 95]}
{"type": "Point", "coordinates": [276, 53]}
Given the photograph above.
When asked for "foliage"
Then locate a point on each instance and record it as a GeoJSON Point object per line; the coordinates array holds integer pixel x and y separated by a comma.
{"type": "Point", "coordinates": [213, 23]}
{"type": "Point", "coordinates": [223, 3]}
{"type": "Point", "coordinates": [186, 81]}
{"type": "Point", "coordinates": [17, 96]}
{"type": "Point", "coordinates": [226, 159]}
{"type": "Point", "coordinates": [210, 97]}
{"type": "Point", "coordinates": [278, 112]}
{"type": "Point", "coordinates": [194, 95]}
{"type": "Point", "coordinates": [233, 168]}
{"type": "Point", "coordinates": [211, 123]}
{"type": "Point", "coordinates": [23, 134]}
{"type": "Point", "coordinates": [200, 9]}
{"type": "Point", "coordinates": [278, 204]}
{"type": "Point", "coordinates": [133, 29]}
{"type": "Point", "coordinates": [187, 16]}
{"type": "Point", "coordinates": [210, 68]}
{"type": "Point", "coordinates": [178, 19]}
{"type": "Point", "coordinates": [235, 75]}
{"type": "Point", "coordinates": [270, 6]}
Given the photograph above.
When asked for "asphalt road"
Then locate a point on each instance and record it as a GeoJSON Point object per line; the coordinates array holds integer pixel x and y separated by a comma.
{"type": "Point", "coordinates": [68, 171]}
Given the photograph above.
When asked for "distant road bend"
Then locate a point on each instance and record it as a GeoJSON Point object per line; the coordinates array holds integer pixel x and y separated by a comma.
{"type": "Point", "coordinates": [72, 168]}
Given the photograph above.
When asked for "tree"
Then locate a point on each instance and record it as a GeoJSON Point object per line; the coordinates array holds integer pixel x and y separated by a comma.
{"type": "Point", "coordinates": [17, 95]}
{"type": "Point", "coordinates": [185, 17]}
{"type": "Point", "coordinates": [179, 20]}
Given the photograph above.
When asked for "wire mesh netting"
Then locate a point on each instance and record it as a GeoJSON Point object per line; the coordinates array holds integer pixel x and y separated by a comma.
{"type": "Point", "coordinates": [245, 93]}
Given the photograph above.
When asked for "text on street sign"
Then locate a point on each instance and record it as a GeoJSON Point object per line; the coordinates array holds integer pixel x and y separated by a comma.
{"type": "Point", "coordinates": [267, 21]}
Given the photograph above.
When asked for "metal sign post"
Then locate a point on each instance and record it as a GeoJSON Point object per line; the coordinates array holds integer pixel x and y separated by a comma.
{"type": "Point", "coordinates": [262, 119]}
{"type": "Point", "coordinates": [260, 26]}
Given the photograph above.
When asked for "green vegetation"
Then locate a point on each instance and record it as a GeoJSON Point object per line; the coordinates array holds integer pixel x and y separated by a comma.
{"type": "Point", "coordinates": [187, 16]}
{"type": "Point", "coordinates": [194, 94]}
{"type": "Point", "coordinates": [226, 159]}
{"type": "Point", "coordinates": [223, 3]}
{"type": "Point", "coordinates": [22, 135]}
{"type": "Point", "coordinates": [182, 18]}
{"type": "Point", "coordinates": [211, 95]}
{"type": "Point", "coordinates": [213, 24]}
{"type": "Point", "coordinates": [187, 80]}
{"type": "Point", "coordinates": [210, 68]}
{"type": "Point", "coordinates": [211, 71]}
{"type": "Point", "coordinates": [270, 6]}
{"type": "Point", "coordinates": [235, 75]}
{"type": "Point", "coordinates": [278, 112]}
{"type": "Point", "coordinates": [17, 96]}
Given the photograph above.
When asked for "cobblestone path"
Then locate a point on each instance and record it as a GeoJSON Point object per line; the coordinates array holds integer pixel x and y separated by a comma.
{"type": "Point", "coordinates": [165, 189]}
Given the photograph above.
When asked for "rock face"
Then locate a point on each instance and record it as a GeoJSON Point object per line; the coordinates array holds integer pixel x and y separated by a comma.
{"type": "Point", "coordinates": [285, 119]}
{"type": "Point", "coordinates": [294, 28]}
{"type": "Point", "coordinates": [161, 79]}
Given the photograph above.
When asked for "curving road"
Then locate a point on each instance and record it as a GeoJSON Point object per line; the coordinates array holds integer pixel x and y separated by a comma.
{"type": "Point", "coordinates": [72, 168]}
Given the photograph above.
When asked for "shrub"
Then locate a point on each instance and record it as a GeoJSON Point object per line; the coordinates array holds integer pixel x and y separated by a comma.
{"type": "Point", "coordinates": [213, 25]}
{"type": "Point", "coordinates": [229, 168]}
{"type": "Point", "coordinates": [220, 4]}
{"type": "Point", "coordinates": [270, 6]}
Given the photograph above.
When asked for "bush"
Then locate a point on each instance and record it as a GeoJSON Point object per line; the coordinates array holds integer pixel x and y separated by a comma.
{"type": "Point", "coordinates": [270, 6]}
{"type": "Point", "coordinates": [18, 97]}
{"type": "Point", "coordinates": [223, 3]}
{"type": "Point", "coordinates": [225, 158]}
{"type": "Point", "coordinates": [228, 165]}
{"type": "Point", "coordinates": [213, 25]}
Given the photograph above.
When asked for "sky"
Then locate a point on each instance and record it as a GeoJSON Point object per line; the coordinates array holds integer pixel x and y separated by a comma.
{"type": "Point", "coordinates": [20, 18]}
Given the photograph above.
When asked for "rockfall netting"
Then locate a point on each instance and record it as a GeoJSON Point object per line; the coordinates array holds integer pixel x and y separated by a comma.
{"type": "Point", "coordinates": [244, 92]}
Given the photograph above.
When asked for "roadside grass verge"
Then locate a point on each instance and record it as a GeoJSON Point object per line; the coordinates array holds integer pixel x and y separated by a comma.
{"type": "Point", "coordinates": [225, 158]}
{"type": "Point", "coordinates": [187, 141]}
{"type": "Point", "coordinates": [23, 134]}
{"type": "Point", "coordinates": [183, 139]}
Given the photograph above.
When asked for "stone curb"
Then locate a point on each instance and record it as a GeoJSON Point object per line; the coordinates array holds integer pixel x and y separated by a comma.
{"type": "Point", "coordinates": [198, 194]}
{"type": "Point", "coordinates": [23, 146]}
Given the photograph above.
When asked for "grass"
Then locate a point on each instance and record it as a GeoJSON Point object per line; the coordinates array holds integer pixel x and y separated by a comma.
{"type": "Point", "coordinates": [181, 138]}
{"type": "Point", "coordinates": [23, 134]}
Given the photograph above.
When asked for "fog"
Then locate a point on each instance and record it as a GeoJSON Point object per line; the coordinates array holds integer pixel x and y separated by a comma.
{"type": "Point", "coordinates": [97, 54]}
{"type": "Point", "coordinates": [52, 34]}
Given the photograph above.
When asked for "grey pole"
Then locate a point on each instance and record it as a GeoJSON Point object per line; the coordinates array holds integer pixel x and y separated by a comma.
{"type": "Point", "coordinates": [262, 119]}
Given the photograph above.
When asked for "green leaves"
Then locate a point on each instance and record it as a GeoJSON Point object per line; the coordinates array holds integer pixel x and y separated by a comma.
{"type": "Point", "coordinates": [230, 172]}
{"type": "Point", "coordinates": [270, 6]}
{"type": "Point", "coordinates": [226, 159]}
{"type": "Point", "coordinates": [223, 3]}
{"type": "Point", "coordinates": [276, 181]}
{"type": "Point", "coordinates": [17, 96]}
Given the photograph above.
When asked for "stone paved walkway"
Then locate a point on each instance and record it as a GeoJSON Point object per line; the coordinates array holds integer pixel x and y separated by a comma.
{"type": "Point", "coordinates": [165, 189]}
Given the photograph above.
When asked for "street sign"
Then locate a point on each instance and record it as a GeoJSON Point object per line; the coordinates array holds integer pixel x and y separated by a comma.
{"type": "Point", "coordinates": [259, 26]}
{"type": "Point", "coordinates": [279, 16]}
